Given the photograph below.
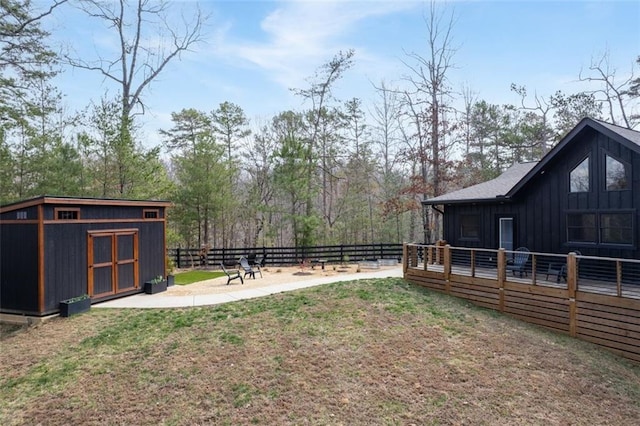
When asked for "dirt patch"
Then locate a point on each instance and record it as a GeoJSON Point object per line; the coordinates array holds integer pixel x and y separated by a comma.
{"type": "Point", "coordinates": [270, 276]}
{"type": "Point", "coordinates": [366, 352]}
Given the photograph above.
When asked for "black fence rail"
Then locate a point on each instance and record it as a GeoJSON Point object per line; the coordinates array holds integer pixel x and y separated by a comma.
{"type": "Point", "coordinates": [193, 257]}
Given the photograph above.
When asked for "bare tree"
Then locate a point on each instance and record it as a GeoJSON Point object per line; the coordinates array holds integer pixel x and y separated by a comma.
{"type": "Point", "coordinates": [613, 93]}
{"type": "Point", "coordinates": [430, 85]}
{"type": "Point", "coordinates": [140, 57]}
{"type": "Point", "coordinates": [319, 94]}
{"type": "Point", "coordinates": [147, 42]}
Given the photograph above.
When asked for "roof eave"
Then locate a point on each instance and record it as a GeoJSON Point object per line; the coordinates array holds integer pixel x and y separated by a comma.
{"type": "Point", "coordinates": [500, 198]}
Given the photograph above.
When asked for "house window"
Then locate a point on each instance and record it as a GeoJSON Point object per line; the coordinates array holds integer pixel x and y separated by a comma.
{"type": "Point", "coordinates": [150, 214]}
{"type": "Point", "coordinates": [67, 214]}
{"type": "Point", "coordinates": [616, 228]}
{"type": "Point", "coordinates": [616, 174]}
{"type": "Point", "coordinates": [581, 227]}
{"type": "Point", "coordinates": [21, 215]}
{"type": "Point", "coordinates": [470, 226]}
{"type": "Point", "coordinates": [579, 177]}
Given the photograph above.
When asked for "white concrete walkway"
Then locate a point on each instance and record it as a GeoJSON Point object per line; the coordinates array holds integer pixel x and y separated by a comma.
{"type": "Point", "coordinates": [162, 300]}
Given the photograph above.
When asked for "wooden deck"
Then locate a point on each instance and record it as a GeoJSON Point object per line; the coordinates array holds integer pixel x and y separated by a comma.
{"type": "Point", "coordinates": [604, 311]}
{"type": "Point", "coordinates": [610, 288]}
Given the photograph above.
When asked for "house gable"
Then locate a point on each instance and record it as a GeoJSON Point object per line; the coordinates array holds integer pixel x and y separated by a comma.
{"type": "Point", "coordinates": [598, 216]}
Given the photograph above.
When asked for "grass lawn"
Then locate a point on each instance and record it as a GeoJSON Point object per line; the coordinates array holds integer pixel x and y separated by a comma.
{"type": "Point", "coordinates": [190, 277]}
{"type": "Point", "coordinates": [365, 352]}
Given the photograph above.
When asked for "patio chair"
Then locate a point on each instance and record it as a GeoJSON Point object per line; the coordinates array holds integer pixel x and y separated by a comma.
{"type": "Point", "coordinates": [231, 275]}
{"type": "Point", "coordinates": [519, 261]}
{"type": "Point", "coordinates": [260, 260]}
{"type": "Point", "coordinates": [248, 270]}
{"type": "Point", "coordinates": [560, 269]}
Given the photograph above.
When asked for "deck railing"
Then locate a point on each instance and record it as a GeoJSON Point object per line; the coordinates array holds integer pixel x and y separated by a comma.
{"type": "Point", "coordinates": [592, 298]}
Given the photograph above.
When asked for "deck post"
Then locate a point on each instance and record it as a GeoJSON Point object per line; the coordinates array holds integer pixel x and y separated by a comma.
{"type": "Point", "coordinates": [502, 276]}
{"type": "Point", "coordinates": [447, 267]}
{"type": "Point", "coordinates": [572, 284]}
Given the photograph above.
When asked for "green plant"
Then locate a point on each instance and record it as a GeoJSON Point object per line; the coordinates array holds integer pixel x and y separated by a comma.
{"type": "Point", "coordinates": [169, 264]}
{"type": "Point", "coordinates": [156, 280]}
{"type": "Point", "coordinates": [77, 298]}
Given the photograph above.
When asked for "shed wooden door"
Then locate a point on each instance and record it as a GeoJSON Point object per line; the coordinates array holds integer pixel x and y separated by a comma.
{"type": "Point", "coordinates": [112, 262]}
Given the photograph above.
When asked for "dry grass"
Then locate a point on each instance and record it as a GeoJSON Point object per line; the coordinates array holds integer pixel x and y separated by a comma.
{"type": "Point", "coordinates": [365, 352]}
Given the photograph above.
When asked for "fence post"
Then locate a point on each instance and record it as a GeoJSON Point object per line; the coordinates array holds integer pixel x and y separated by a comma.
{"type": "Point", "coordinates": [572, 285]}
{"type": "Point", "coordinates": [178, 265]}
{"type": "Point", "coordinates": [405, 258]}
{"type": "Point", "coordinates": [502, 276]}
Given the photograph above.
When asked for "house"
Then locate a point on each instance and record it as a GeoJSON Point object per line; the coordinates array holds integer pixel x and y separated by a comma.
{"type": "Point", "coordinates": [57, 248]}
{"type": "Point", "coordinates": [584, 194]}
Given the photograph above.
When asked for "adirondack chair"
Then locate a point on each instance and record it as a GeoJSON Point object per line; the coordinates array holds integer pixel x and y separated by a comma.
{"type": "Point", "coordinates": [248, 270]}
{"type": "Point", "coordinates": [519, 262]}
{"type": "Point", "coordinates": [231, 275]}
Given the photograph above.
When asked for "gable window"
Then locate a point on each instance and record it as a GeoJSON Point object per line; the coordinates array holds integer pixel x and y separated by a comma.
{"type": "Point", "coordinates": [579, 177]}
{"type": "Point", "coordinates": [616, 228]}
{"type": "Point", "coordinates": [470, 226]}
{"type": "Point", "coordinates": [581, 227]}
{"type": "Point", "coordinates": [66, 214]}
{"type": "Point", "coordinates": [150, 214]}
{"type": "Point", "coordinates": [616, 173]}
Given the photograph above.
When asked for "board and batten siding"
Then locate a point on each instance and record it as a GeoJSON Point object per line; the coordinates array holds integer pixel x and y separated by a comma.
{"type": "Point", "coordinates": [540, 207]}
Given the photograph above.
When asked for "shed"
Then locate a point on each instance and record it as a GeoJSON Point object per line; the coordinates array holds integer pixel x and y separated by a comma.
{"type": "Point", "coordinates": [584, 194]}
{"type": "Point", "coordinates": [56, 248]}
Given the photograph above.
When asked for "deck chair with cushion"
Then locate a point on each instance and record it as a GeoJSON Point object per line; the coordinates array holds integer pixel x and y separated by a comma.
{"type": "Point", "coordinates": [519, 261]}
{"type": "Point", "coordinates": [248, 270]}
{"type": "Point", "coordinates": [231, 275]}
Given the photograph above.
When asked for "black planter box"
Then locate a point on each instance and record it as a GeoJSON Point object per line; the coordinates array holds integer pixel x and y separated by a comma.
{"type": "Point", "coordinates": [72, 307]}
{"type": "Point", "coordinates": [153, 288]}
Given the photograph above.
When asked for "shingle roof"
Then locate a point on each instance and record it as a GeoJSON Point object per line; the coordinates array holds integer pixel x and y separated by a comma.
{"type": "Point", "coordinates": [628, 134]}
{"type": "Point", "coordinates": [486, 191]}
{"type": "Point", "coordinates": [512, 180]}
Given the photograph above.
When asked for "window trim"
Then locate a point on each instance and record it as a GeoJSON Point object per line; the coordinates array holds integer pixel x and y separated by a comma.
{"type": "Point", "coordinates": [58, 210]}
{"type": "Point", "coordinates": [588, 159]}
{"type": "Point", "coordinates": [627, 171]}
{"type": "Point", "coordinates": [632, 230]}
{"type": "Point", "coordinates": [478, 218]}
{"type": "Point", "coordinates": [598, 228]}
{"type": "Point", "coordinates": [145, 211]}
{"type": "Point", "coordinates": [595, 227]}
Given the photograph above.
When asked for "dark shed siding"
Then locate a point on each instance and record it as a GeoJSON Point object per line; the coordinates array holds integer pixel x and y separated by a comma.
{"type": "Point", "coordinates": [101, 212]}
{"type": "Point", "coordinates": [151, 250]}
{"type": "Point", "coordinates": [66, 256]}
{"type": "Point", "coordinates": [19, 268]}
{"type": "Point", "coordinates": [65, 262]}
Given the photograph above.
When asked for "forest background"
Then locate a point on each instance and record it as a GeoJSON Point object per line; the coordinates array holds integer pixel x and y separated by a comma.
{"type": "Point", "coordinates": [336, 171]}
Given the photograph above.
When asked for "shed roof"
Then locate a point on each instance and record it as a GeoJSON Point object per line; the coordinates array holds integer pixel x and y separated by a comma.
{"type": "Point", "coordinates": [49, 199]}
{"type": "Point", "coordinates": [513, 179]}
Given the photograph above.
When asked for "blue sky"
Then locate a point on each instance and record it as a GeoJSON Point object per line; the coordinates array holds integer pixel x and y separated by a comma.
{"type": "Point", "coordinates": [255, 51]}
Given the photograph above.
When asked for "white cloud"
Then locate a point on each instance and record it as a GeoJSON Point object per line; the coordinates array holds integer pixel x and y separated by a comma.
{"type": "Point", "coordinates": [297, 37]}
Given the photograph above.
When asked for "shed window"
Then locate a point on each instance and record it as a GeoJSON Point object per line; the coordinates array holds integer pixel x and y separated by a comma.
{"type": "Point", "coordinates": [616, 228]}
{"type": "Point", "coordinates": [150, 214]}
{"type": "Point", "coordinates": [579, 177]}
{"type": "Point", "coordinates": [581, 227]}
{"type": "Point", "coordinates": [616, 174]}
{"type": "Point", "coordinates": [67, 214]}
{"type": "Point", "coordinates": [470, 226]}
